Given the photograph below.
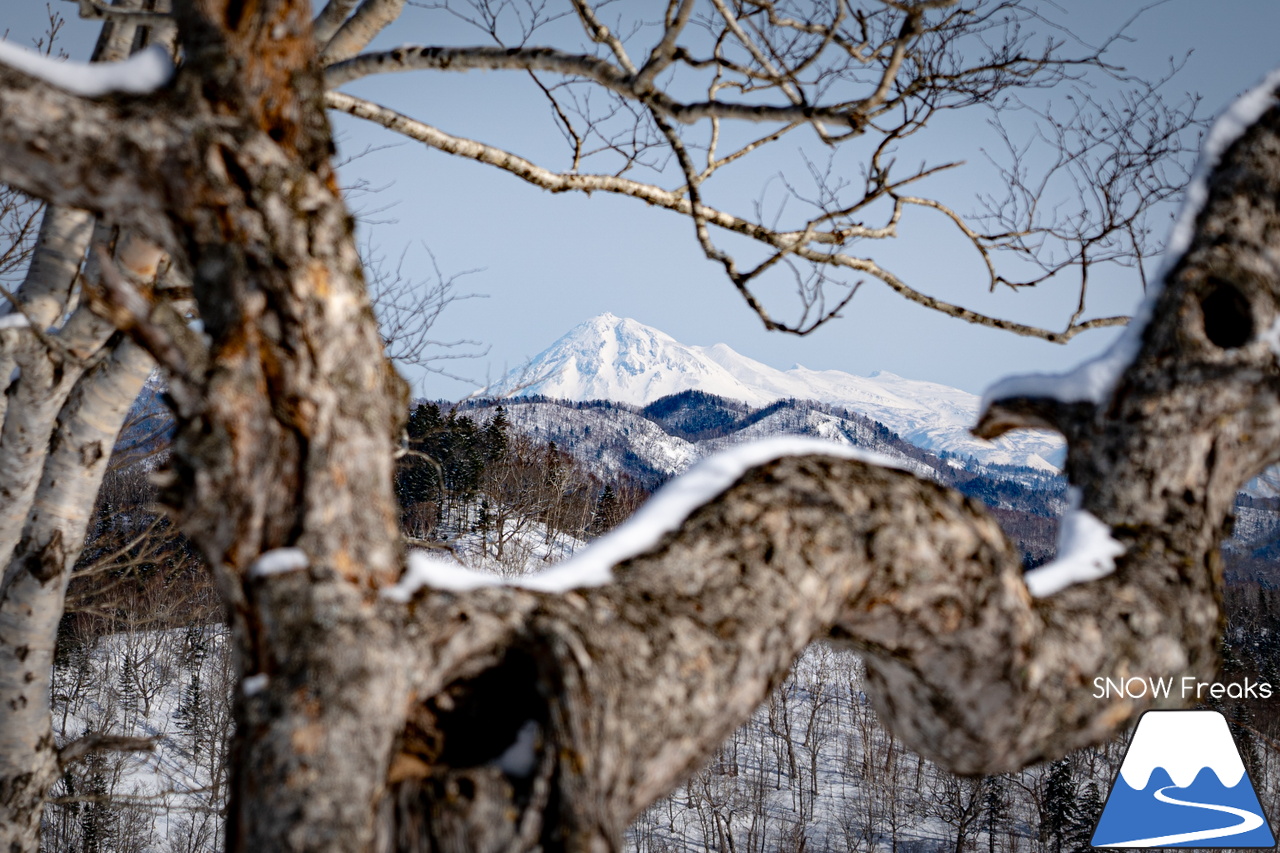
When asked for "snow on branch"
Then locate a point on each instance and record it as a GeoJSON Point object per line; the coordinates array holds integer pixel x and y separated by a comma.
{"type": "Point", "coordinates": [141, 73]}
{"type": "Point", "coordinates": [676, 501]}
{"type": "Point", "coordinates": [279, 561]}
{"type": "Point", "coordinates": [1094, 380]}
{"type": "Point", "coordinates": [1086, 552]}
{"type": "Point", "coordinates": [661, 514]}
{"type": "Point", "coordinates": [430, 569]}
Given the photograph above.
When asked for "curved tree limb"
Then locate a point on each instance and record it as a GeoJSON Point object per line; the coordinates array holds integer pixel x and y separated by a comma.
{"type": "Point", "coordinates": [358, 729]}
{"type": "Point", "coordinates": [585, 66]}
{"type": "Point", "coordinates": [84, 746]}
{"type": "Point", "coordinates": [627, 686]}
{"type": "Point", "coordinates": [565, 182]}
{"type": "Point", "coordinates": [633, 684]}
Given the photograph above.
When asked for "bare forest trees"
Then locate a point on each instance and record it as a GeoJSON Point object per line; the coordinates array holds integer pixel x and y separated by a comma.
{"type": "Point", "coordinates": [375, 711]}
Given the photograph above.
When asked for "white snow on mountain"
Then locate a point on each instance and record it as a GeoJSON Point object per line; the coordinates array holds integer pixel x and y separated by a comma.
{"type": "Point", "coordinates": [603, 439]}
{"type": "Point", "coordinates": [816, 424]}
{"type": "Point", "coordinates": [616, 358]}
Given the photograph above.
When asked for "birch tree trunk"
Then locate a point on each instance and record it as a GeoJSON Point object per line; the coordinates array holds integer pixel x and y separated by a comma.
{"type": "Point", "coordinates": [501, 718]}
{"type": "Point", "coordinates": [67, 392]}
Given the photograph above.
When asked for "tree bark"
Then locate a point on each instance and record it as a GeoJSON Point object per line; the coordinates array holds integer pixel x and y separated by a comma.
{"type": "Point", "coordinates": [286, 440]}
{"type": "Point", "coordinates": [67, 392]}
{"type": "Point", "coordinates": [31, 601]}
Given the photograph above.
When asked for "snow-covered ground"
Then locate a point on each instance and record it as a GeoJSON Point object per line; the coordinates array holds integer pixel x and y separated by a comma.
{"type": "Point", "coordinates": [811, 770]}
{"type": "Point", "coordinates": [171, 686]}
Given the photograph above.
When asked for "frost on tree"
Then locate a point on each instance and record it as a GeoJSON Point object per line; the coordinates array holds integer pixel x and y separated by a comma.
{"type": "Point", "coordinates": [378, 711]}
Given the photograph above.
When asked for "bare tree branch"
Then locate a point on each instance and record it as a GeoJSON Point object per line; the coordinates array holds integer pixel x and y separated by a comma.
{"type": "Point", "coordinates": [97, 10]}
{"type": "Point", "coordinates": [78, 749]}
{"type": "Point", "coordinates": [546, 59]}
{"type": "Point", "coordinates": [369, 19]}
{"type": "Point", "coordinates": [882, 73]}
{"type": "Point", "coordinates": [330, 19]}
{"type": "Point", "coordinates": [409, 309]}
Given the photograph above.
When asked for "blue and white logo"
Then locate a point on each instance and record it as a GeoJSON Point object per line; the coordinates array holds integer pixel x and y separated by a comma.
{"type": "Point", "coordinates": [1182, 784]}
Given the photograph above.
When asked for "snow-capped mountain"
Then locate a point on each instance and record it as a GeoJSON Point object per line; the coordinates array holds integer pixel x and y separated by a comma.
{"type": "Point", "coordinates": [619, 359]}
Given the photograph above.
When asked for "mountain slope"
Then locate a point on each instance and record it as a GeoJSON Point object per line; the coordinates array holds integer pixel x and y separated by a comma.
{"type": "Point", "coordinates": [619, 359]}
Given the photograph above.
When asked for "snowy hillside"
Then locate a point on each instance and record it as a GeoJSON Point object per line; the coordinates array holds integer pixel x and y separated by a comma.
{"type": "Point", "coordinates": [609, 441]}
{"type": "Point", "coordinates": [665, 438]}
{"type": "Point", "coordinates": [619, 359]}
{"type": "Point", "coordinates": [806, 420]}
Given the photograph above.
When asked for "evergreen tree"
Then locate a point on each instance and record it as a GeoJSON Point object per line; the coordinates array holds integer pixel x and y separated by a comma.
{"type": "Point", "coordinates": [127, 684]}
{"type": "Point", "coordinates": [995, 809]}
{"type": "Point", "coordinates": [424, 421]}
{"type": "Point", "coordinates": [461, 458]}
{"type": "Point", "coordinates": [192, 713]}
{"type": "Point", "coordinates": [484, 517]}
{"type": "Point", "coordinates": [496, 439]}
{"type": "Point", "coordinates": [417, 473]}
{"type": "Point", "coordinates": [97, 818]}
{"type": "Point", "coordinates": [1088, 810]}
{"type": "Point", "coordinates": [1060, 809]}
{"type": "Point", "coordinates": [605, 516]}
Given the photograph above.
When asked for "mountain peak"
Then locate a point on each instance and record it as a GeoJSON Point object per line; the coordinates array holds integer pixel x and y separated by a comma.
{"type": "Point", "coordinates": [617, 358]}
{"type": "Point", "coordinates": [620, 359]}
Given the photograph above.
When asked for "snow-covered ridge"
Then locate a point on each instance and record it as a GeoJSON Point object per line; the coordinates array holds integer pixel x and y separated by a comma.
{"type": "Point", "coordinates": [619, 359]}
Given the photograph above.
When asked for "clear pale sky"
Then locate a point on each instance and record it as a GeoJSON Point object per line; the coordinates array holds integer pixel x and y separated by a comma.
{"type": "Point", "coordinates": [547, 262]}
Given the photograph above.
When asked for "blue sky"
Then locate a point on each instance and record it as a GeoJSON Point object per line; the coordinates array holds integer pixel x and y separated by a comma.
{"type": "Point", "coordinates": [546, 262]}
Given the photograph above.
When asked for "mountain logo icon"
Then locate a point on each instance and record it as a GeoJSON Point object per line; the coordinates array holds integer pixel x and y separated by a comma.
{"type": "Point", "coordinates": [1183, 784]}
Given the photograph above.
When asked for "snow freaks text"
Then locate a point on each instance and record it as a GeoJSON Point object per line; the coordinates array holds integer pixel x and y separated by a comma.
{"type": "Point", "coordinates": [1140, 687]}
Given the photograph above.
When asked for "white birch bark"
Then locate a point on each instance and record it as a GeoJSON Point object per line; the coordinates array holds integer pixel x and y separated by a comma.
{"type": "Point", "coordinates": [68, 390]}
